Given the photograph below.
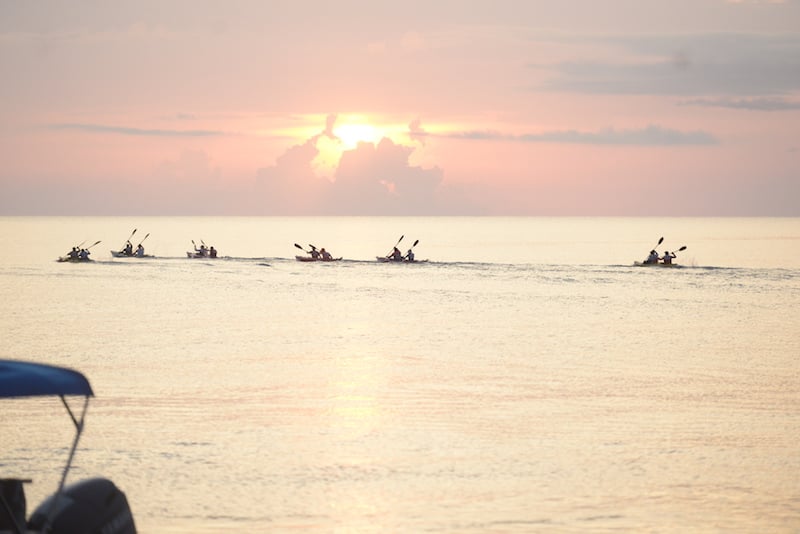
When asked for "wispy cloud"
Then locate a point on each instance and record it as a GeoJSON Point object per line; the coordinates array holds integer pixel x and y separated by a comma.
{"type": "Point", "coordinates": [752, 104]}
{"type": "Point", "coordinates": [652, 135]}
{"type": "Point", "coordinates": [690, 65]}
{"type": "Point", "coordinates": [146, 132]}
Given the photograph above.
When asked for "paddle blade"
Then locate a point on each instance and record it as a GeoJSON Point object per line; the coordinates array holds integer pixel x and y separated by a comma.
{"type": "Point", "coordinates": [682, 248]}
{"type": "Point", "coordinates": [298, 246]}
{"type": "Point", "coordinates": [415, 243]}
{"type": "Point", "coordinates": [660, 241]}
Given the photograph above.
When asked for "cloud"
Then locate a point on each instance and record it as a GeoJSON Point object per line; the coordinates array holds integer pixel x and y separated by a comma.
{"type": "Point", "coordinates": [751, 104]}
{"type": "Point", "coordinates": [705, 64]}
{"type": "Point", "coordinates": [371, 179]}
{"type": "Point", "coordinates": [651, 135]}
{"type": "Point", "coordinates": [124, 130]}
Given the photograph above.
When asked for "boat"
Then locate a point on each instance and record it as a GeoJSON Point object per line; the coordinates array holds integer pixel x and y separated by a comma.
{"type": "Point", "coordinates": [310, 259]}
{"type": "Point", "coordinates": [648, 264]}
{"type": "Point", "coordinates": [198, 255]}
{"type": "Point", "coordinates": [67, 259]}
{"type": "Point", "coordinates": [384, 259]}
{"type": "Point", "coordinates": [90, 505]}
{"type": "Point", "coordinates": [121, 254]}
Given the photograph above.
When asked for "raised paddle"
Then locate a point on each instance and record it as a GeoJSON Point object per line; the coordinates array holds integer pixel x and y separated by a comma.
{"type": "Point", "coordinates": [395, 245]}
{"type": "Point", "coordinates": [301, 248]}
{"type": "Point", "coordinates": [95, 243]}
{"type": "Point", "coordinates": [142, 241]}
{"type": "Point", "coordinates": [412, 246]}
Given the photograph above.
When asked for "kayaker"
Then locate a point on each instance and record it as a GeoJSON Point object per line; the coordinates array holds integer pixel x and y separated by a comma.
{"type": "Point", "coordinates": [667, 258]}
{"type": "Point", "coordinates": [314, 253]}
{"type": "Point", "coordinates": [83, 255]}
{"type": "Point", "coordinates": [140, 251]}
{"type": "Point", "coordinates": [326, 256]}
{"type": "Point", "coordinates": [410, 255]}
{"type": "Point", "coordinates": [652, 258]}
{"type": "Point", "coordinates": [203, 251]}
{"type": "Point", "coordinates": [396, 255]}
{"type": "Point", "coordinates": [74, 254]}
{"type": "Point", "coordinates": [212, 252]}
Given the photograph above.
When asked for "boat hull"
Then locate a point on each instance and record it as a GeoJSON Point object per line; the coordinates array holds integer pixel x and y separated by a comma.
{"type": "Point", "coordinates": [118, 254]}
{"type": "Point", "coordinates": [309, 259]}
{"type": "Point", "coordinates": [384, 259]}
{"type": "Point", "coordinates": [667, 265]}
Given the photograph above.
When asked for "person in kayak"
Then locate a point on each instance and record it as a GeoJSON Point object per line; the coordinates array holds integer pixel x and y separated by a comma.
{"type": "Point", "coordinates": [140, 251]}
{"type": "Point", "coordinates": [326, 256]}
{"type": "Point", "coordinates": [652, 258]}
{"type": "Point", "coordinates": [83, 255]}
{"type": "Point", "coordinates": [410, 255]}
{"type": "Point", "coordinates": [396, 255]}
{"type": "Point", "coordinates": [667, 258]}
{"type": "Point", "coordinates": [202, 251]}
{"type": "Point", "coordinates": [212, 252]}
{"type": "Point", "coordinates": [314, 253]}
{"type": "Point", "coordinates": [128, 249]}
{"type": "Point", "coordinates": [74, 254]}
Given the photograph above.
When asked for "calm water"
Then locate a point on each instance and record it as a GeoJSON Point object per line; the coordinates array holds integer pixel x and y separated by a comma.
{"type": "Point", "coordinates": [527, 378]}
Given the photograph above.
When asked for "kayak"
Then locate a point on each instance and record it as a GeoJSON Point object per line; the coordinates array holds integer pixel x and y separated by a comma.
{"type": "Point", "coordinates": [310, 259]}
{"type": "Point", "coordinates": [64, 259]}
{"type": "Point", "coordinates": [120, 254]}
{"type": "Point", "coordinates": [384, 259]}
{"type": "Point", "coordinates": [200, 256]}
{"type": "Point", "coordinates": [644, 264]}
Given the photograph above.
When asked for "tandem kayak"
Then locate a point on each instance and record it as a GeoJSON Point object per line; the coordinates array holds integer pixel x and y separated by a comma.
{"type": "Point", "coordinates": [310, 259]}
{"type": "Point", "coordinates": [121, 254]}
{"type": "Point", "coordinates": [67, 259]}
{"type": "Point", "coordinates": [197, 255]}
{"type": "Point", "coordinates": [384, 259]}
{"type": "Point", "coordinates": [645, 264]}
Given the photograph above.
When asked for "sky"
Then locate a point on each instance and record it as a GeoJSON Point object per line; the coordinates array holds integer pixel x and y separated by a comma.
{"type": "Point", "coordinates": [469, 107]}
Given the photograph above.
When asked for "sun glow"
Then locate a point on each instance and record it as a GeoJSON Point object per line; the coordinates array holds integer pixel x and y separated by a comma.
{"type": "Point", "coordinates": [350, 134]}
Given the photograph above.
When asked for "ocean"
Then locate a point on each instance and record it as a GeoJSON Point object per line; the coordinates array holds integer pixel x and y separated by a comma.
{"type": "Point", "coordinates": [526, 378]}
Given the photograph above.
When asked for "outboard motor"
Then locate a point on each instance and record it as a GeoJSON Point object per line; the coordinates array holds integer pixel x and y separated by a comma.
{"type": "Point", "coordinates": [92, 506]}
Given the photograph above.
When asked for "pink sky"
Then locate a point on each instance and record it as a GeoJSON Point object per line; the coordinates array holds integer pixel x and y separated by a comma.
{"type": "Point", "coordinates": [529, 107]}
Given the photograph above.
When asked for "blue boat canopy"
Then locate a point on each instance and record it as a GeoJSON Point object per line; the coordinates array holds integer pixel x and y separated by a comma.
{"type": "Point", "coordinates": [26, 379]}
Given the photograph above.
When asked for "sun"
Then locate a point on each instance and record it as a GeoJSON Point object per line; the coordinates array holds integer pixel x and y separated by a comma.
{"type": "Point", "coordinates": [350, 134]}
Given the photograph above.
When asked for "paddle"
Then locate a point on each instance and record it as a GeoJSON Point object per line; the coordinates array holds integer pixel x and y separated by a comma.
{"type": "Point", "coordinates": [95, 243]}
{"type": "Point", "coordinates": [395, 245]}
{"type": "Point", "coordinates": [122, 250]}
{"type": "Point", "coordinates": [301, 248]}
{"type": "Point", "coordinates": [142, 241]}
{"type": "Point", "coordinates": [412, 247]}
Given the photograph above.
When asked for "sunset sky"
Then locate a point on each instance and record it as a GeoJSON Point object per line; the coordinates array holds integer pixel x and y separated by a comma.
{"type": "Point", "coordinates": [500, 107]}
